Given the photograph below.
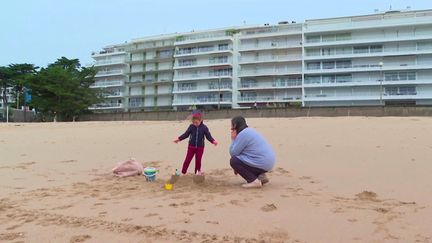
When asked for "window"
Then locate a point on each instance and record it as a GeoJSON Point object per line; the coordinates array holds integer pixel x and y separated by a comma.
{"type": "Point", "coordinates": [343, 36]}
{"type": "Point", "coordinates": [343, 78]}
{"type": "Point", "coordinates": [397, 76]}
{"type": "Point", "coordinates": [344, 64]}
{"type": "Point", "coordinates": [187, 62]}
{"type": "Point", "coordinates": [223, 47]}
{"type": "Point", "coordinates": [327, 38]}
{"type": "Point", "coordinates": [361, 49]}
{"type": "Point", "coordinates": [313, 80]}
{"type": "Point", "coordinates": [424, 45]}
{"type": "Point", "coordinates": [328, 65]}
{"type": "Point", "coordinates": [328, 79]}
{"type": "Point", "coordinates": [327, 51]}
{"type": "Point", "coordinates": [313, 52]}
{"type": "Point", "coordinates": [391, 76]}
{"type": "Point", "coordinates": [313, 65]}
{"type": "Point", "coordinates": [375, 49]}
{"type": "Point", "coordinates": [343, 50]}
{"type": "Point", "coordinates": [221, 59]}
{"type": "Point", "coordinates": [313, 39]}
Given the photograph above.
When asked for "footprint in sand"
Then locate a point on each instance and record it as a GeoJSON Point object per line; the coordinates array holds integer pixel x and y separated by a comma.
{"type": "Point", "coordinates": [212, 222]}
{"type": "Point", "coordinates": [151, 215]}
{"type": "Point", "coordinates": [268, 207]}
{"type": "Point", "coordinates": [11, 236]}
{"type": "Point", "coordinates": [79, 238]}
{"type": "Point", "coordinates": [98, 204]}
{"type": "Point", "coordinates": [352, 220]}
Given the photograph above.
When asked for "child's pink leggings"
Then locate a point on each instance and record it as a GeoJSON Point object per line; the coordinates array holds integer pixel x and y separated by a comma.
{"type": "Point", "coordinates": [198, 152]}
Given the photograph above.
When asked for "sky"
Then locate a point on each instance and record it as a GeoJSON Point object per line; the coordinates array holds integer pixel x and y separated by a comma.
{"type": "Point", "coordinates": [40, 31]}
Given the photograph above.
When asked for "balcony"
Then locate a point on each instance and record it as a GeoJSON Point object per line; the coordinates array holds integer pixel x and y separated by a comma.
{"type": "Point", "coordinates": [151, 70]}
{"type": "Point", "coordinates": [274, 72]}
{"type": "Point", "coordinates": [271, 46]}
{"type": "Point", "coordinates": [383, 52]}
{"type": "Point", "coordinates": [110, 62]}
{"type": "Point", "coordinates": [269, 98]}
{"type": "Point", "coordinates": [210, 88]}
{"type": "Point", "coordinates": [113, 95]}
{"type": "Point", "coordinates": [204, 64]}
{"type": "Point", "coordinates": [202, 76]}
{"type": "Point", "coordinates": [150, 59]}
{"type": "Point", "coordinates": [207, 51]}
{"type": "Point", "coordinates": [289, 84]}
{"type": "Point", "coordinates": [368, 22]}
{"type": "Point", "coordinates": [106, 106]}
{"type": "Point", "coordinates": [358, 83]}
{"type": "Point", "coordinates": [109, 73]}
{"type": "Point", "coordinates": [107, 84]}
{"type": "Point", "coordinates": [369, 40]}
{"type": "Point", "coordinates": [269, 59]}
{"type": "Point", "coordinates": [370, 68]}
{"type": "Point", "coordinates": [135, 47]}
{"type": "Point", "coordinates": [201, 38]}
{"type": "Point", "coordinates": [293, 29]}
{"type": "Point", "coordinates": [201, 101]}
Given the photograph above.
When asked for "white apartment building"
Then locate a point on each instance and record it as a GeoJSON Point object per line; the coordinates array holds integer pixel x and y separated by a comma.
{"type": "Point", "coordinates": [10, 99]}
{"type": "Point", "coordinates": [110, 78]}
{"type": "Point", "coordinates": [270, 65]}
{"type": "Point", "coordinates": [150, 73]}
{"type": "Point", "coordinates": [204, 64]}
{"type": "Point", "coordinates": [377, 59]}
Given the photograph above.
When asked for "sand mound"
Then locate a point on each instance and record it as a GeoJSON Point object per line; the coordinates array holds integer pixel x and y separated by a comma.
{"type": "Point", "coordinates": [367, 196]}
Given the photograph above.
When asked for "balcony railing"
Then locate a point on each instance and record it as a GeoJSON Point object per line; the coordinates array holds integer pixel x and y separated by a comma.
{"type": "Point", "coordinates": [115, 61]}
{"type": "Point", "coordinates": [198, 37]}
{"type": "Point", "coordinates": [269, 98]}
{"type": "Point", "coordinates": [270, 72]}
{"type": "Point", "coordinates": [201, 100]}
{"type": "Point", "coordinates": [106, 84]}
{"type": "Point", "coordinates": [276, 84]}
{"type": "Point", "coordinates": [275, 45]}
{"type": "Point", "coordinates": [369, 52]}
{"type": "Point", "coordinates": [143, 46]}
{"type": "Point", "coordinates": [202, 75]}
{"type": "Point", "coordinates": [270, 58]}
{"type": "Point", "coordinates": [109, 72]}
{"type": "Point", "coordinates": [105, 106]}
{"type": "Point", "coordinates": [202, 51]}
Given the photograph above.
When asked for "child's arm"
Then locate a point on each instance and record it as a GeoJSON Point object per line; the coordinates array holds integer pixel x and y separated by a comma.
{"type": "Point", "coordinates": [184, 135]}
{"type": "Point", "coordinates": [209, 137]}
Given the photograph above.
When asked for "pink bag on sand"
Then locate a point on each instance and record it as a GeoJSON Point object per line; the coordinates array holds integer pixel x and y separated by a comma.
{"type": "Point", "coordinates": [129, 167]}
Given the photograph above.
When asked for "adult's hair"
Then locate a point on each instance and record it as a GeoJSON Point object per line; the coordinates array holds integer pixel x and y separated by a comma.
{"type": "Point", "coordinates": [238, 123]}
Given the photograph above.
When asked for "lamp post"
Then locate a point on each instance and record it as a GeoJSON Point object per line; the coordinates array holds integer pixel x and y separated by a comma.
{"type": "Point", "coordinates": [381, 64]}
{"type": "Point", "coordinates": [219, 93]}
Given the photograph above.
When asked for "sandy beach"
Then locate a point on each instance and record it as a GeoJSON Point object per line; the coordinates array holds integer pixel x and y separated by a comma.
{"type": "Point", "coordinates": [352, 179]}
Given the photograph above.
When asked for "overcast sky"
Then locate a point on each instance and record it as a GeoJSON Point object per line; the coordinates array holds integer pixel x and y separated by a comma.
{"type": "Point", "coordinates": [40, 31]}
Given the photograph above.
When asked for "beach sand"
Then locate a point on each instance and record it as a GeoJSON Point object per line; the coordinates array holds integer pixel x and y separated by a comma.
{"type": "Point", "coordinates": [351, 179]}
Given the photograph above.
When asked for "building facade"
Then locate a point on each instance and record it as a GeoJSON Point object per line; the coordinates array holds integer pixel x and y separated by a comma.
{"type": "Point", "coordinates": [378, 59]}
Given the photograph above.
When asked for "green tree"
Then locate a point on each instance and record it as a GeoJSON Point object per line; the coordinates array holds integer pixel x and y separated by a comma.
{"type": "Point", "coordinates": [20, 73]}
{"type": "Point", "coordinates": [62, 90]}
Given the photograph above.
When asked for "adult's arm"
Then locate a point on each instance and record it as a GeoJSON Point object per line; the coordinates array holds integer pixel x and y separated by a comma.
{"type": "Point", "coordinates": [238, 145]}
{"type": "Point", "coordinates": [185, 134]}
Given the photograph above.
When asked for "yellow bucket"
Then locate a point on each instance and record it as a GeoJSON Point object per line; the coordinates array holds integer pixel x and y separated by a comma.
{"type": "Point", "coordinates": [168, 186]}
